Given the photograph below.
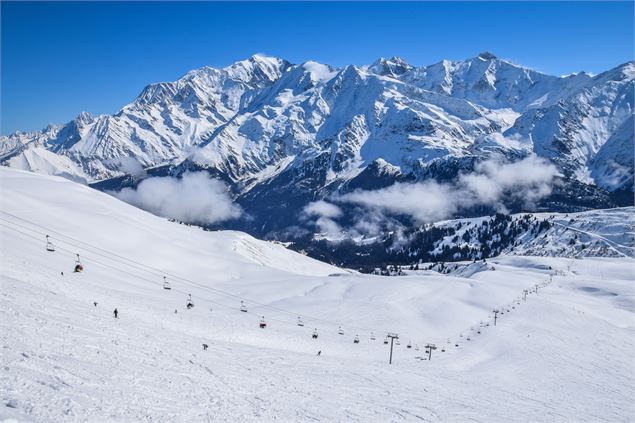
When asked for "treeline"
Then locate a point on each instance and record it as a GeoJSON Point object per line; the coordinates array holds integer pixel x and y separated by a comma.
{"type": "Point", "coordinates": [457, 241]}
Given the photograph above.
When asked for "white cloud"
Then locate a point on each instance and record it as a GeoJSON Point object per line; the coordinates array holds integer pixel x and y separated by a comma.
{"type": "Point", "coordinates": [528, 180]}
{"type": "Point", "coordinates": [325, 213]}
{"type": "Point", "coordinates": [130, 166]}
{"type": "Point", "coordinates": [492, 183]}
{"type": "Point", "coordinates": [322, 208]}
{"type": "Point", "coordinates": [195, 198]}
{"type": "Point", "coordinates": [425, 201]}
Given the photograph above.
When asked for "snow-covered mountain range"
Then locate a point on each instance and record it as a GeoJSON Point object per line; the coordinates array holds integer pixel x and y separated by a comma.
{"type": "Point", "coordinates": [282, 135]}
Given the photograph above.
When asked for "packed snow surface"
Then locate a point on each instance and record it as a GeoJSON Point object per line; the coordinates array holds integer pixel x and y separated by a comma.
{"type": "Point", "coordinates": [563, 355]}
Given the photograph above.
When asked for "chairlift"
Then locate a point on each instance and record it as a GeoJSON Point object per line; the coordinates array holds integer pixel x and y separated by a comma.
{"type": "Point", "coordinates": [468, 338]}
{"type": "Point", "coordinates": [372, 336]}
{"type": "Point", "coordinates": [409, 346]}
{"type": "Point", "coordinates": [49, 245]}
{"type": "Point", "coordinates": [356, 340]}
{"type": "Point", "coordinates": [416, 347]}
{"type": "Point", "coordinates": [166, 284]}
{"type": "Point", "coordinates": [456, 345]}
{"type": "Point", "coordinates": [79, 267]}
{"type": "Point", "coordinates": [263, 324]}
{"type": "Point", "coordinates": [386, 341]}
{"type": "Point", "coordinates": [315, 334]}
{"type": "Point", "coordinates": [397, 342]}
{"type": "Point", "coordinates": [300, 322]}
{"type": "Point", "coordinates": [243, 307]}
{"type": "Point", "coordinates": [340, 331]}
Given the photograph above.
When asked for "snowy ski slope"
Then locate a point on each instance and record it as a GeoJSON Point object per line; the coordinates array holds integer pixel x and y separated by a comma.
{"type": "Point", "coordinates": [565, 354]}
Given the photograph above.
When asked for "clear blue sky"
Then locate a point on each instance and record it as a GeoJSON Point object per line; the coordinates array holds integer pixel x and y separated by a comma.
{"type": "Point", "coordinates": [59, 59]}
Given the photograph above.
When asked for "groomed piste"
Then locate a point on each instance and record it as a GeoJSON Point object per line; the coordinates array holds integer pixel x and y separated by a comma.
{"type": "Point", "coordinates": [563, 353]}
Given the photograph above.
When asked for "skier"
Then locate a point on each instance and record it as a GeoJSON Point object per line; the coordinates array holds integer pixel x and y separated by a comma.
{"type": "Point", "coordinates": [205, 347]}
{"type": "Point", "coordinates": [95, 303]}
{"type": "Point", "coordinates": [319, 353]}
{"type": "Point", "coordinates": [116, 313]}
{"type": "Point", "coordinates": [62, 274]}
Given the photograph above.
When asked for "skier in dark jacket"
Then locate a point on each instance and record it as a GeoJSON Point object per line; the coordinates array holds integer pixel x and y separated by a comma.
{"type": "Point", "coordinates": [116, 313]}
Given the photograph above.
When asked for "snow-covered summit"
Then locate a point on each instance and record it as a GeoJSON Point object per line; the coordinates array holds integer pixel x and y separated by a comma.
{"type": "Point", "coordinates": [272, 129]}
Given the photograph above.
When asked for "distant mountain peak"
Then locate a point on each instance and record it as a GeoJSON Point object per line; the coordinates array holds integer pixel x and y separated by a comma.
{"type": "Point", "coordinates": [84, 118]}
{"type": "Point", "coordinates": [486, 55]}
{"type": "Point", "coordinates": [394, 66]}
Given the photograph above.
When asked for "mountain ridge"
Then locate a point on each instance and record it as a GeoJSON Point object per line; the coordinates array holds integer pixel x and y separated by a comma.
{"type": "Point", "coordinates": [279, 133]}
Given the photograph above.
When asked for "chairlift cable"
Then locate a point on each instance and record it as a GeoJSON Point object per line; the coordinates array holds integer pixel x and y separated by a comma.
{"type": "Point", "coordinates": [159, 272]}
{"type": "Point", "coordinates": [204, 287]}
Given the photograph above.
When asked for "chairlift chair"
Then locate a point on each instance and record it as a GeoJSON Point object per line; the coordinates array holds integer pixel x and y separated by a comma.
{"type": "Point", "coordinates": [49, 245]}
{"type": "Point", "coordinates": [263, 324]}
{"type": "Point", "coordinates": [300, 322]}
{"type": "Point", "coordinates": [356, 340]}
{"type": "Point", "coordinates": [166, 284]}
{"type": "Point", "coordinates": [372, 336]}
{"type": "Point", "coordinates": [243, 307]}
{"type": "Point", "coordinates": [386, 341]}
{"type": "Point", "coordinates": [315, 334]}
{"type": "Point", "coordinates": [79, 267]}
{"type": "Point", "coordinates": [416, 347]}
{"type": "Point", "coordinates": [190, 303]}
{"type": "Point", "coordinates": [397, 342]}
{"type": "Point", "coordinates": [409, 346]}
{"type": "Point", "coordinates": [340, 331]}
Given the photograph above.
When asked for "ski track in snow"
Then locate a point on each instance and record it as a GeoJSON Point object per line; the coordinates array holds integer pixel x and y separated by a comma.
{"type": "Point", "coordinates": [611, 244]}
